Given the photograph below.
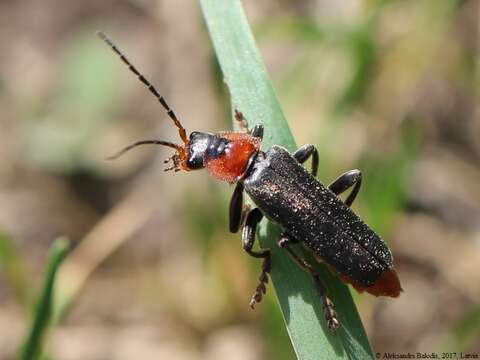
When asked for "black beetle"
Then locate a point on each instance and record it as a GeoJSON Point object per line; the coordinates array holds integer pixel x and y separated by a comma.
{"type": "Point", "coordinates": [290, 196]}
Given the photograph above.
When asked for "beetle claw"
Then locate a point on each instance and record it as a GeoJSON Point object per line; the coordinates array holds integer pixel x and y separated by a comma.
{"type": "Point", "coordinates": [333, 324]}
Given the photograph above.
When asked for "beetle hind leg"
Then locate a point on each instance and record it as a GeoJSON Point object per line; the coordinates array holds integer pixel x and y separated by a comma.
{"type": "Point", "coordinates": [346, 181]}
{"type": "Point", "coordinates": [248, 238]}
{"type": "Point", "coordinates": [328, 308]}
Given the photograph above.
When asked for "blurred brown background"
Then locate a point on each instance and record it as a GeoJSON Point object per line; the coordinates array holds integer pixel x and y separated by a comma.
{"type": "Point", "coordinates": [389, 87]}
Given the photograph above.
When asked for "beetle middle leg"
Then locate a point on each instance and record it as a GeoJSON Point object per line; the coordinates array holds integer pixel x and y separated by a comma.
{"type": "Point", "coordinates": [248, 239]}
{"type": "Point", "coordinates": [346, 181]}
{"type": "Point", "coordinates": [328, 308]}
{"type": "Point", "coordinates": [304, 153]}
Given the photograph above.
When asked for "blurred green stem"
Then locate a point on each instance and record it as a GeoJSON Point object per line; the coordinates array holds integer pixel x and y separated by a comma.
{"type": "Point", "coordinates": [32, 348]}
{"type": "Point", "coordinates": [13, 266]}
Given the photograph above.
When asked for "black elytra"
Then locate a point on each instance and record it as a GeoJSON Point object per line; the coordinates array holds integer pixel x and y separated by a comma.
{"type": "Point", "coordinates": [312, 214]}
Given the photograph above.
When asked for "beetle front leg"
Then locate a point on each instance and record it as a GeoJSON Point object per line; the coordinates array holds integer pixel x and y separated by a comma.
{"type": "Point", "coordinates": [248, 238]}
{"type": "Point", "coordinates": [328, 308]}
{"type": "Point", "coordinates": [346, 181]}
{"type": "Point", "coordinates": [236, 211]}
{"type": "Point", "coordinates": [242, 122]}
{"type": "Point", "coordinates": [304, 153]}
{"type": "Point", "coordinates": [257, 130]}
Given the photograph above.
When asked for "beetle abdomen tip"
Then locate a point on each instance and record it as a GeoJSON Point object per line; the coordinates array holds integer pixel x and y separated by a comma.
{"type": "Point", "coordinates": [387, 285]}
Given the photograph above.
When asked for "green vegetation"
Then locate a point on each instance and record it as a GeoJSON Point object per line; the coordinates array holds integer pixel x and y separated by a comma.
{"type": "Point", "coordinates": [33, 346]}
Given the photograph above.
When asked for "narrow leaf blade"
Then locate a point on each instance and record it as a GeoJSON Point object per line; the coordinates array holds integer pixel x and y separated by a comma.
{"type": "Point", "coordinates": [32, 348]}
{"type": "Point", "coordinates": [252, 93]}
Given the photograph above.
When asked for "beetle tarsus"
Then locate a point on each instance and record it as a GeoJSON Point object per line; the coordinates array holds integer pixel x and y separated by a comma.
{"type": "Point", "coordinates": [256, 131]}
{"type": "Point", "coordinates": [328, 307]}
{"type": "Point", "coordinates": [330, 314]}
{"type": "Point", "coordinates": [242, 122]}
{"type": "Point", "coordinates": [262, 286]}
{"type": "Point", "coordinates": [248, 238]}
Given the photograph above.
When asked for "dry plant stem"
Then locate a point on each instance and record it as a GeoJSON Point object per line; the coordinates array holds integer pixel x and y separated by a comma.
{"type": "Point", "coordinates": [110, 233]}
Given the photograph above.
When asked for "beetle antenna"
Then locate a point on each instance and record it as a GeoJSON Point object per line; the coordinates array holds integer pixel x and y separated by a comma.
{"type": "Point", "coordinates": [144, 142]}
{"type": "Point", "coordinates": [150, 87]}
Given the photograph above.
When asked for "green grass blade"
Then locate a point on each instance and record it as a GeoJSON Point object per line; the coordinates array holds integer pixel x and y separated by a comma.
{"type": "Point", "coordinates": [252, 93]}
{"type": "Point", "coordinates": [32, 348]}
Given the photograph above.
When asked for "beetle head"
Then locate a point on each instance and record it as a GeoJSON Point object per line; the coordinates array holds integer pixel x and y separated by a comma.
{"type": "Point", "coordinates": [225, 155]}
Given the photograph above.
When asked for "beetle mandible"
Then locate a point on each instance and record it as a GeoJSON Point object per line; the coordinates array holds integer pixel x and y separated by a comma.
{"type": "Point", "coordinates": [287, 194]}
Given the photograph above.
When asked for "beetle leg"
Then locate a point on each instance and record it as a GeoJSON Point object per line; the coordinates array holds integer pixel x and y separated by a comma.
{"type": "Point", "coordinates": [346, 181]}
{"type": "Point", "coordinates": [236, 208]}
{"type": "Point", "coordinates": [242, 122]}
{"type": "Point", "coordinates": [257, 130]}
{"type": "Point", "coordinates": [286, 240]}
{"type": "Point", "coordinates": [304, 153]}
{"type": "Point", "coordinates": [248, 238]}
{"type": "Point", "coordinates": [328, 308]}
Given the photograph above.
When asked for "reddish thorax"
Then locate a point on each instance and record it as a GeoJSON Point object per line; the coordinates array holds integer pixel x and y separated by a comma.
{"type": "Point", "coordinates": [231, 165]}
